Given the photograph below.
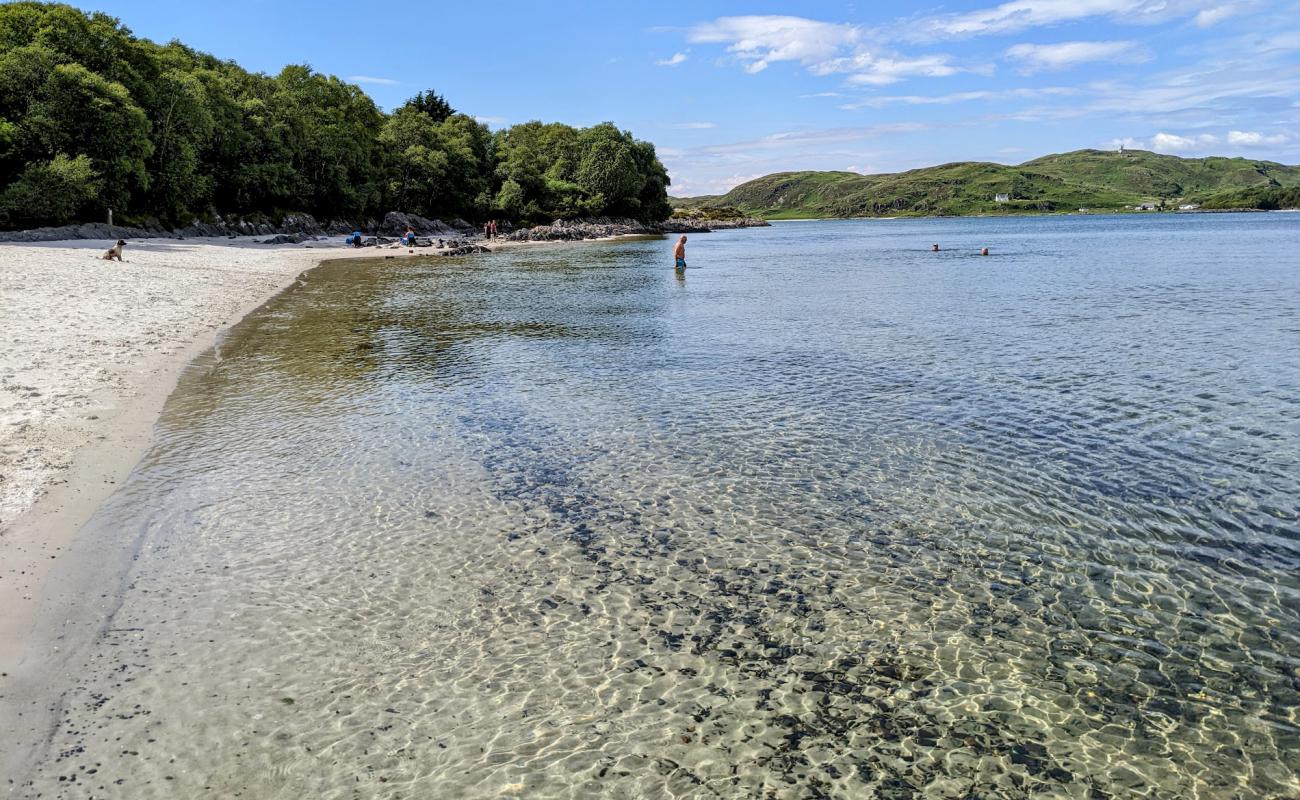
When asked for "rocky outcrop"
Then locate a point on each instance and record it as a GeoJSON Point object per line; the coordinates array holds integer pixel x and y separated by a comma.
{"type": "Point", "coordinates": [91, 230]}
{"type": "Point", "coordinates": [290, 238]}
{"type": "Point", "coordinates": [698, 225]}
{"type": "Point", "coordinates": [738, 222]}
{"type": "Point", "coordinates": [445, 247]}
{"type": "Point", "coordinates": [219, 227]}
{"type": "Point", "coordinates": [298, 228]}
{"type": "Point", "coordinates": [577, 230]}
{"type": "Point", "coordinates": [396, 223]}
{"type": "Point", "coordinates": [604, 227]}
{"type": "Point", "coordinates": [464, 249]}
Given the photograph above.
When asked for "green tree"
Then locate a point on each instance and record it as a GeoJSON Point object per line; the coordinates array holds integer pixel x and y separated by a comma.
{"type": "Point", "coordinates": [608, 167]}
{"type": "Point", "coordinates": [182, 128]}
{"type": "Point", "coordinates": [106, 119]}
{"type": "Point", "coordinates": [80, 112]}
{"type": "Point", "coordinates": [432, 104]}
{"type": "Point", "coordinates": [329, 128]}
{"type": "Point", "coordinates": [50, 193]}
{"type": "Point", "coordinates": [417, 163]}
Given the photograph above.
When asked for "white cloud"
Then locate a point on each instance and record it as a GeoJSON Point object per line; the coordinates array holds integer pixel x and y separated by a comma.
{"type": "Point", "coordinates": [881, 101]}
{"type": "Point", "coordinates": [1172, 143]}
{"type": "Point", "coordinates": [1202, 142]}
{"type": "Point", "coordinates": [1235, 87]}
{"type": "Point", "coordinates": [761, 40]}
{"type": "Point", "coordinates": [1210, 17]}
{"type": "Point", "coordinates": [891, 70]}
{"type": "Point", "coordinates": [1063, 55]}
{"type": "Point", "coordinates": [673, 60]}
{"type": "Point", "coordinates": [830, 135]}
{"type": "Point", "coordinates": [823, 48]}
{"type": "Point", "coordinates": [1256, 139]}
{"type": "Point", "coordinates": [491, 120]}
{"type": "Point", "coordinates": [683, 187]}
{"type": "Point", "coordinates": [372, 80]}
{"type": "Point", "coordinates": [1019, 15]}
{"type": "Point", "coordinates": [693, 126]}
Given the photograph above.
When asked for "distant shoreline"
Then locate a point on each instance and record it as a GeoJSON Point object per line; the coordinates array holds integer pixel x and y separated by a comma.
{"type": "Point", "coordinates": [1041, 214]}
{"type": "Point", "coordinates": [1102, 181]}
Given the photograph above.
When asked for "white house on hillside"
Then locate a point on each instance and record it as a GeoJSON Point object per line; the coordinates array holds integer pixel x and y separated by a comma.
{"type": "Point", "coordinates": [1002, 197]}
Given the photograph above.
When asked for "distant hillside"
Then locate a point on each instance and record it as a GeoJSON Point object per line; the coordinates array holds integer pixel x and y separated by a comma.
{"type": "Point", "coordinates": [1093, 179]}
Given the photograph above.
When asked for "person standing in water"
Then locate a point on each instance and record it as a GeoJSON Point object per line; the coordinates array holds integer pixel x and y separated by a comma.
{"type": "Point", "coordinates": [679, 254]}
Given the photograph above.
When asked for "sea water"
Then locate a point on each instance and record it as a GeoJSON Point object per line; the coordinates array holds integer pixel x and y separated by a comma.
{"type": "Point", "coordinates": [829, 515]}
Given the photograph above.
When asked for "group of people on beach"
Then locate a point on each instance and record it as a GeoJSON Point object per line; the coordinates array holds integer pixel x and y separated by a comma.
{"type": "Point", "coordinates": [490, 229]}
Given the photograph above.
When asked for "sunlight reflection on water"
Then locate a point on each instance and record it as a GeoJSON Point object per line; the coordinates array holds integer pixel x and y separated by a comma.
{"type": "Point", "coordinates": [833, 516]}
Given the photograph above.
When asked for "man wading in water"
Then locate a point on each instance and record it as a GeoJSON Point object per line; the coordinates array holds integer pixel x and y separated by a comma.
{"type": "Point", "coordinates": [679, 254]}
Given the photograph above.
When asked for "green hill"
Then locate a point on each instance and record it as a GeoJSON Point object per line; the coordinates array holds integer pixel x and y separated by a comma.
{"type": "Point", "coordinates": [1093, 179]}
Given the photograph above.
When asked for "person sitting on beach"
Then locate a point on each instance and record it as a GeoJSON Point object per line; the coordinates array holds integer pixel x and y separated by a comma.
{"type": "Point", "coordinates": [408, 238]}
{"type": "Point", "coordinates": [354, 239]}
{"type": "Point", "coordinates": [679, 253]}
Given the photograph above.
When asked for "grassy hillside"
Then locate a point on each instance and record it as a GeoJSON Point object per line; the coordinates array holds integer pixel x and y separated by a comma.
{"type": "Point", "coordinates": [1154, 175]}
{"type": "Point", "coordinates": [1092, 179]}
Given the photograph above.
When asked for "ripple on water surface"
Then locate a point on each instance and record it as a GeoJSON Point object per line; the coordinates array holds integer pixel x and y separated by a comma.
{"type": "Point", "coordinates": [833, 517]}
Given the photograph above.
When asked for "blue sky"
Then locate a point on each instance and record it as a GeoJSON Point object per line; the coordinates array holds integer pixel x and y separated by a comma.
{"type": "Point", "coordinates": [729, 91]}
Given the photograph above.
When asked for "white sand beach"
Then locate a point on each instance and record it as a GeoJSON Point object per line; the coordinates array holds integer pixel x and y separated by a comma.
{"type": "Point", "coordinates": [91, 351]}
{"type": "Point", "coordinates": [86, 338]}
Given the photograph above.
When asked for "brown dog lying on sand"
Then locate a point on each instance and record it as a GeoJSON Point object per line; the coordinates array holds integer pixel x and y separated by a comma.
{"type": "Point", "coordinates": [115, 251]}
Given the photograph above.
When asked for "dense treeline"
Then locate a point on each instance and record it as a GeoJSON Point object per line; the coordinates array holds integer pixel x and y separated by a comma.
{"type": "Point", "coordinates": [93, 118]}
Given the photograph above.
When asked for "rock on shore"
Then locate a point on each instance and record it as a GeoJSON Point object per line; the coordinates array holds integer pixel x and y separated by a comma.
{"type": "Point", "coordinates": [291, 229]}
{"type": "Point", "coordinates": [688, 225]}
{"type": "Point", "coordinates": [396, 223]}
{"type": "Point", "coordinates": [298, 228]}
{"type": "Point", "coordinates": [577, 230]}
{"type": "Point", "coordinates": [604, 227]}
{"type": "Point", "coordinates": [289, 225]}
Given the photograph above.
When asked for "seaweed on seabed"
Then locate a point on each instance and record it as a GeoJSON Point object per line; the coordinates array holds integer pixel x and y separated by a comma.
{"type": "Point", "coordinates": [528, 467]}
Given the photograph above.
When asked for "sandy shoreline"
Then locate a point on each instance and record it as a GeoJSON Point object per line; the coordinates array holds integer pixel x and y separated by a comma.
{"type": "Point", "coordinates": [93, 350]}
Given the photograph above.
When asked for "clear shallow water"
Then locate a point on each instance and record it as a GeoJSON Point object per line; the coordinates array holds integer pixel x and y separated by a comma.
{"type": "Point", "coordinates": [835, 516]}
